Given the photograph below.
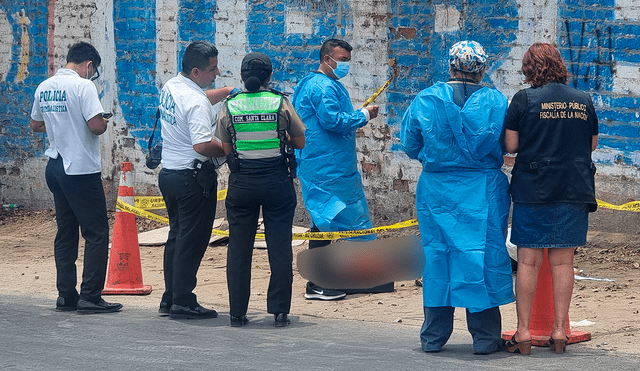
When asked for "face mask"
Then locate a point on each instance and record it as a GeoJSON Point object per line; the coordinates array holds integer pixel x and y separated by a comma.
{"type": "Point", "coordinates": [341, 70]}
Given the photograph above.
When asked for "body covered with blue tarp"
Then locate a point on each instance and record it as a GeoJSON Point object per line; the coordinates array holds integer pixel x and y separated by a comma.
{"type": "Point", "coordinates": [461, 197]}
{"type": "Point", "coordinates": [330, 181]}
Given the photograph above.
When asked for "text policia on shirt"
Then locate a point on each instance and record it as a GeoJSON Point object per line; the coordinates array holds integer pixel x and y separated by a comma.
{"type": "Point", "coordinates": [53, 96]}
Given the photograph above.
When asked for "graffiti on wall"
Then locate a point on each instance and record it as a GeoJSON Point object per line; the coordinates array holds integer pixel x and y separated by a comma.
{"type": "Point", "coordinates": [148, 42]}
{"type": "Point", "coordinates": [596, 54]}
{"type": "Point", "coordinates": [591, 68]}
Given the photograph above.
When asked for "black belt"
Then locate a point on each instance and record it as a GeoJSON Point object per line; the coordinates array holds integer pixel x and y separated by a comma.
{"type": "Point", "coordinates": [186, 172]}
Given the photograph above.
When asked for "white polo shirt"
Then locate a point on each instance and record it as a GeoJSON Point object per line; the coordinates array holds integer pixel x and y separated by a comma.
{"type": "Point", "coordinates": [186, 119]}
{"type": "Point", "coordinates": [65, 102]}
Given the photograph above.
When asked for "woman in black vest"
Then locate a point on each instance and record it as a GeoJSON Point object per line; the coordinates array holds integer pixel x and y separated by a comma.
{"type": "Point", "coordinates": [554, 129]}
{"type": "Point", "coordinates": [257, 128]}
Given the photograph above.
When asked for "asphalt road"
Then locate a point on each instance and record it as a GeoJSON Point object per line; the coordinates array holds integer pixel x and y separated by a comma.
{"type": "Point", "coordinates": [35, 337]}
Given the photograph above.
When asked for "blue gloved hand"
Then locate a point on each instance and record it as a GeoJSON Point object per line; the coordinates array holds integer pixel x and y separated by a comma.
{"type": "Point", "coordinates": [235, 91]}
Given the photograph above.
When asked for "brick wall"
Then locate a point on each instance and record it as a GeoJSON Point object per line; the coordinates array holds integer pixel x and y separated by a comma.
{"type": "Point", "coordinates": [141, 43]}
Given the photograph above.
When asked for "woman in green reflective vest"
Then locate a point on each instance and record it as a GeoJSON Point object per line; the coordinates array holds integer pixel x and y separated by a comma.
{"type": "Point", "coordinates": [259, 129]}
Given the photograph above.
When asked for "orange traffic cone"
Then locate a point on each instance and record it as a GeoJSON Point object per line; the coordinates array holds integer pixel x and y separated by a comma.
{"type": "Point", "coordinates": [125, 272]}
{"type": "Point", "coordinates": [542, 312]}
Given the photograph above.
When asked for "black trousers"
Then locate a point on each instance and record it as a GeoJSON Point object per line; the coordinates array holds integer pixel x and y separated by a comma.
{"type": "Point", "coordinates": [191, 217]}
{"type": "Point", "coordinates": [313, 244]}
{"type": "Point", "coordinates": [275, 194]}
{"type": "Point", "coordinates": [80, 204]}
{"type": "Point", "coordinates": [317, 243]}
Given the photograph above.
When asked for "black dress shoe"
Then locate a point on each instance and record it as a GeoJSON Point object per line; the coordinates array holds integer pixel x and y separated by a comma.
{"type": "Point", "coordinates": [197, 312]}
{"type": "Point", "coordinates": [164, 311]}
{"type": "Point", "coordinates": [281, 320]}
{"type": "Point", "coordinates": [238, 321]}
{"type": "Point", "coordinates": [101, 306]}
{"type": "Point", "coordinates": [66, 304]}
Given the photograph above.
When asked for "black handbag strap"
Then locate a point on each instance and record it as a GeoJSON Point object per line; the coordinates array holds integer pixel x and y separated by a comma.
{"type": "Point", "coordinates": [154, 129]}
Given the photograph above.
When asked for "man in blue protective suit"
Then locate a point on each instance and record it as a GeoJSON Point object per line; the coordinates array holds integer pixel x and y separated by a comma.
{"type": "Point", "coordinates": [453, 128]}
{"type": "Point", "coordinates": [330, 181]}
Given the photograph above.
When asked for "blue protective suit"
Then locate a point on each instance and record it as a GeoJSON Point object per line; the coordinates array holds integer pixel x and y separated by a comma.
{"type": "Point", "coordinates": [330, 181]}
{"type": "Point", "coordinates": [461, 198]}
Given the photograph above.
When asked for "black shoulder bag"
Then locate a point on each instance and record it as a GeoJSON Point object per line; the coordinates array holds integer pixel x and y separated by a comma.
{"type": "Point", "coordinates": [154, 156]}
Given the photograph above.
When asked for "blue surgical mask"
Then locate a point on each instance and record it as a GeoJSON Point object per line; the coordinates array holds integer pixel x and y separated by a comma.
{"type": "Point", "coordinates": [341, 70]}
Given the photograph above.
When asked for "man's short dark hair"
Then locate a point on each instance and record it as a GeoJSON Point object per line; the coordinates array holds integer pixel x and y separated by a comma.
{"type": "Point", "coordinates": [81, 52]}
{"type": "Point", "coordinates": [329, 45]}
{"type": "Point", "coordinates": [197, 56]}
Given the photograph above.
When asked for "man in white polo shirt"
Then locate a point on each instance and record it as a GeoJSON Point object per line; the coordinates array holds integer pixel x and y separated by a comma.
{"type": "Point", "coordinates": [67, 107]}
{"type": "Point", "coordinates": [188, 179]}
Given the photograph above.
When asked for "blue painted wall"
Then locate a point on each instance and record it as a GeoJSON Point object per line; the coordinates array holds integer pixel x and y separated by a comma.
{"type": "Point", "coordinates": [17, 140]}
{"type": "Point", "coordinates": [593, 42]}
{"type": "Point", "coordinates": [590, 38]}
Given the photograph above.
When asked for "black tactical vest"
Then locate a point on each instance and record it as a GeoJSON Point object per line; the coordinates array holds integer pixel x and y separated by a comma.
{"type": "Point", "coordinates": [554, 158]}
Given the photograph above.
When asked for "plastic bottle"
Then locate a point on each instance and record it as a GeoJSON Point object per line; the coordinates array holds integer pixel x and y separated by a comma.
{"type": "Point", "coordinates": [10, 206]}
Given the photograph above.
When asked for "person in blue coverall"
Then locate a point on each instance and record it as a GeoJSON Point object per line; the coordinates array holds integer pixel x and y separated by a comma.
{"type": "Point", "coordinates": [330, 181]}
{"type": "Point", "coordinates": [453, 128]}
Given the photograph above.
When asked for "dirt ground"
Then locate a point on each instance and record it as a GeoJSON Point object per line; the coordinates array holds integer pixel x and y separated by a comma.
{"type": "Point", "coordinates": [609, 310]}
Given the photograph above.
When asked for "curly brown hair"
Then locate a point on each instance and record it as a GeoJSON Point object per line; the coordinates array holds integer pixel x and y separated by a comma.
{"type": "Point", "coordinates": [542, 64]}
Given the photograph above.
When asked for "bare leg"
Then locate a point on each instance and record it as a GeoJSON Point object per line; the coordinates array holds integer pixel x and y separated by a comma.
{"type": "Point", "coordinates": [561, 262]}
{"type": "Point", "coordinates": [529, 262]}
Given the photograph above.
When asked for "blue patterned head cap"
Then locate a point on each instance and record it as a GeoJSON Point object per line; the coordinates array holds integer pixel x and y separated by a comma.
{"type": "Point", "coordinates": [467, 56]}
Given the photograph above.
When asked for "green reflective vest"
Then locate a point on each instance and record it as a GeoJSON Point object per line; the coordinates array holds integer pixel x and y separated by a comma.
{"type": "Point", "coordinates": [254, 117]}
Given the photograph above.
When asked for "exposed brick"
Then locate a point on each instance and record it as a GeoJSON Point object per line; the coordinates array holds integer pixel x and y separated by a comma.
{"type": "Point", "coordinates": [407, 32]}
{"type": "Point", "coordinates": [371, 169]}
{"type": "Point", "coordinates": [595, 43]}
{"type": "Point", "coordinates": [400, 185]}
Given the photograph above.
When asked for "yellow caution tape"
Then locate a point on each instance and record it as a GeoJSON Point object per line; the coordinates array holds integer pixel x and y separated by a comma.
{"type": "Point", "coordinates": [629, 206]}
{"type": "Point", "coordinates": [222, 194]}
{"type": "Point", "coordinates": [296, 236]}
{"type": "Point", "coordinates": [143, 203]}
{"type": "Point", "coordinates": [347, 234]}
{"type": "Point", "coordinates": [149, 202]}
{"type": "Point", "coordinates": [396, 71]}
{"type": "Point", "coordinates": [157, 202]}
{"type": "Point", "coordinates": [139, 212]}
{"type": "Point", "coordinates": [145, 214]}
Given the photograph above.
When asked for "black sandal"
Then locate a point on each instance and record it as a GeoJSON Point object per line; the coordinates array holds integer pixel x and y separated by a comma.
{"type": "Point", "coordinates": [558, 346]}
{"type": "Point", "coordinates": [523, 347]}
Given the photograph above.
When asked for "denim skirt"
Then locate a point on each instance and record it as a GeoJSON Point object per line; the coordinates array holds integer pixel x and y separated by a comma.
{"type": "Point", "coordinates": [549, 225]}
